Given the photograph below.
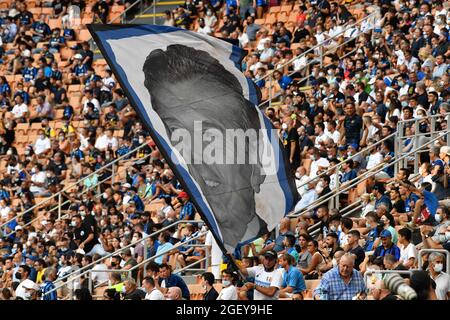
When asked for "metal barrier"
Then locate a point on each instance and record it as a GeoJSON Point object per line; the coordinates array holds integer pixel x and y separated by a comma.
{"type": "Point", "coordinates": [109, 255]}
{"type": "Point", "coordinates": [318, 47]}
{"type": "Point", "coordinates": [443, 251]}
{"type": "Point", "coordinates": [370, 273]}
{"type": "Point", "coordinates": [59, 195]}
{"type": "Point", "coordinates": [356, 181]}
{"type": "Point", "coordinates": [415, 122]}
{"type": "Point", "coordinates": [73, 278]}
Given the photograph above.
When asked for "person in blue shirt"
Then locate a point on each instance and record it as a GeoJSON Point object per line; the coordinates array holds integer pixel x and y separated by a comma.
{"type": "Point", "coordinates": [349, 172]}
{"type": "Point", "coordinates": [387, 246]}
{"type": "Point", "coordinates": [409, 197]}
{"type": "Point", "coordinates": [166, 279]}
{"type": "Point", "coordinates": [425, 207]}
{"type": "Point", "coordinates": [371, 224]}
{"type": "Point", "coordinates": [378, 192]}
{"type": "Point", "coordinates": [187, 211]}
{"type": "Point", "coordinates": [388, 152]}
{"type": "Point", "coordinates": [5, 89]}
{"type": "Point", "coordinates": [48, 285]}
{"type": "Point", "coordinates": [136, 200]}
{"type": "Point", "coordinates": [293, 284]}
{"type": "Point", "coordinates": [28, 72]}
{"type": "Point", "coordinates": [283, 81]}
{"type": "Point", "coordinates": [56, 41]}
{"type": "Point", "coordinates": [41, 30]}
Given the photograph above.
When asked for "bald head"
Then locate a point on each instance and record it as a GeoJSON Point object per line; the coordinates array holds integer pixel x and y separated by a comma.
{"type": "Point", "coordinates": [173, 293]}
{"type": "Point", "coordinates": [346, 265]}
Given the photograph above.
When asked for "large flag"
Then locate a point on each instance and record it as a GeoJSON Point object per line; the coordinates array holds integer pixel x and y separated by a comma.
{"type": "Point", "coordinates": [201, 112]}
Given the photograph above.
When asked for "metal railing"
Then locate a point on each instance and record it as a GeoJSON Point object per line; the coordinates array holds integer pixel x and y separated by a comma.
{"type": "Point", "coordinates": [109, 255]}
{"type": "Point", "coordinates": [88, 270]}
{"type": "Point", "coordinates": [59, 194]}
{"type": "Point", "coordinates": [319, 47]}
{"type": "Point", "coordinates": [415, 122]}
{"type": "Point", "coordinates": [142, 9]}
{"type": "Point", "coordinates": [356, 181]}
{"type": "Point", "coordinates": [443, 251]}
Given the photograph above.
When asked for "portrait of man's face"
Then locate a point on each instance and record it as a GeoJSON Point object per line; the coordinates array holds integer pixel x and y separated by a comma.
{"type": "Point", "coordinates": [187, 86]}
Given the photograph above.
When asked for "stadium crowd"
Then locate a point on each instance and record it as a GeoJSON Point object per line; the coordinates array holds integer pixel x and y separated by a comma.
{"type": "Point", "coordinates": [64, 117]}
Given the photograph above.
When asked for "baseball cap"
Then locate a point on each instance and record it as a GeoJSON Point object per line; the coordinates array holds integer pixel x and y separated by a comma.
{"type": "Point", "coordinates": [354, 146]}
{"type": "Point", "coordinates": [29, 284]}
{"type": "Point", "coordinates": [385, 234]}
{"type": "Point", "coordinates": [18, 228]}
{"type": "Point", "coordinates": [445, 150]}
{"type": "Point", "coordinates": [182, 194]}
{"type": "Point", "coordinates": [78, 56]}
{"type": "Point", "coordinates": [270, 254]}
{"type": "Point", "coordinates": [126, 185]}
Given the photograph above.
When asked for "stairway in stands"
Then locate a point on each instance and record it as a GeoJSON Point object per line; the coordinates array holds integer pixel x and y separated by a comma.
{"type": "Point", "coordinates": [157, 14]}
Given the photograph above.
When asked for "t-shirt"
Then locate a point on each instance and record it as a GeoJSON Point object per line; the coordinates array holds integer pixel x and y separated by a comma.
{"type": "Point", "coordinates": [407, 253]}
{"type": "Point", "coordinates": [39, 177]}
{"type": "Point", "coordinates": [82, 234]}
{"type": "Point", "coordinates": [360, 255]}
{"type": "Point", "coordinates": [228, 293]}
{"type": "Point", "coordinates": [19, 110]}
{"type": "Point", "coordinates": [442, 285]}
{"type": "Point", "coordinates": [265, 279]}
{"type": "Point", "coordinates": [155, 294]}
{"type": "Point", "coordinates": [175, 281]}
{"type": "Point", "coordinates": [161, 249]}
{"type": "Point", "coordinates": [294, 278]}
{"type": "Point", "coordinates": [41, 145]}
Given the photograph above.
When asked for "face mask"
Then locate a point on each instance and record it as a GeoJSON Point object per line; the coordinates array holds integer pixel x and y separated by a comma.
{"type": "Point", "coordinates": [447, 235]}
{"type": "Point", "coordinates": [42, 137]}
{"type": "Point", "coordinates": [73, 224]}
{"type": "Point", "coordinates": [438, 267]}
{"type": "Point", "coordinates": [368, 225]}
{"type": "Point", "coordinates": [313, 157]}
{"type": "Point", "coordinates": [33, 170]}
{"type": "Point", "coordinates": [141, 141]}
{"type": "Point", "coordinates": [9, 152]}
{"type": "Point", "coordinates": [404, 103]}
{"type": "Point", "coordinates": [18, 275]}
{"type": "Point", "coordinates": [27, 295]}
{"type": "Point", "coordinates": [297, 175]}
{"type": "Point", "coordinates": [49, 175]}
{"type": "Point", "coordinates": [330, 73]}
{"type": "Point", "coordinates": [121, 244]}
{"type": "Point", "coordinates": [124, 290]}
{"type": "Point", "coordinates": [82, 213]}
{"type": "Point", "coordinates": [324, 92]}
{"type": "Point", "coordinates": [226, 283]}
{"type": "Point", "coordinates": [284, 126]}
{"type": "Point", "coordinates": [401, 83]}
{"type": "Point", "coordinates": [438, 218]}
{"type": "Point", "coordinates": [321, 74]}
{"type": "Point", "coordinates": [105, 195]}
{"type": "Point", "coordinates": [388, 104]}
{"type": "Point", "coordinates": [334, 262]}
{"type": "Point", "coordinates": [333, 228]}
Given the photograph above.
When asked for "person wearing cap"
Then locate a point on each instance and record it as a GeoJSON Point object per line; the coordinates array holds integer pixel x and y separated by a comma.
{"type": "Point", "coordinates": [387, 246]}
{"type": "Point", "coordinates": [268, 280]}
{"type": "Point", "coordinates": [31, 290]}
{"type": "Point", "coordinates": [187, 211]}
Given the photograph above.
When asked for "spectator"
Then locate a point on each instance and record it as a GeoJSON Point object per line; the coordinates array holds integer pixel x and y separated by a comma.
{"type": "Point", "coordinates": [228, 291]}
{"type": "Point", "coordinates": [293, 282]}
{"type": "Point", "coordinates": [166, 279]}
{"type": "Point", "coordinates": [151, 292]}
{"type": "Point", "coordinates": [207, 283]}
{"type": "Point", "coordinates": [387, 246]}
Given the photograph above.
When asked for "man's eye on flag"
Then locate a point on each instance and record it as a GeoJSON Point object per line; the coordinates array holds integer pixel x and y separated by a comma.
{"type": "Point", "coordinates": [202, 114]}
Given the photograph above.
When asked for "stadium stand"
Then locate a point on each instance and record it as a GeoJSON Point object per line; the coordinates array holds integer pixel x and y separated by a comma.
{"type": "Point", "coordinates": [359, 92]}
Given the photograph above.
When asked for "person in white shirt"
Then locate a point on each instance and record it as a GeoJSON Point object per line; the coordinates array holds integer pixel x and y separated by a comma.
{"type": "Point", "coordinates": [106, 140]}
{"type": "Point", "coordinates": [148, 283]}
{"type": "Point", "coordinates": [308, 197]}
{"type": "Point", "coordinates": [374, 159]}
{"type": "Point", "coordinates": [20, 109]}
{"type": "Point", "coordinates": [215, 254]}
{"type": "Point", "coordinates": [408, 251]}
{"type": "Point", "coordinates": [210, 20]}
{"type": "Point", "coordinates": [268, 280]}
{"type": "Point", "coordinates": [318, 162]}
{"type": "Point", "coordinates": [90, 98]}
{"type": "Point", "coordinates": [99, 277]}
{"type": "Point", "coordinates": [300, 180]}
{"type": "Point", "coordinates": [442, 279]}
{"type": "Point", "coordinates": [38, 179]}
{"type": "Point", "coordinates": [321, 136]}
{"type": "Point", "coordinates": [332, 132]}
{"type": "Point", "coordinates": [42, 144]}
{"type": "Point", "coordinates": [229, 291]}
